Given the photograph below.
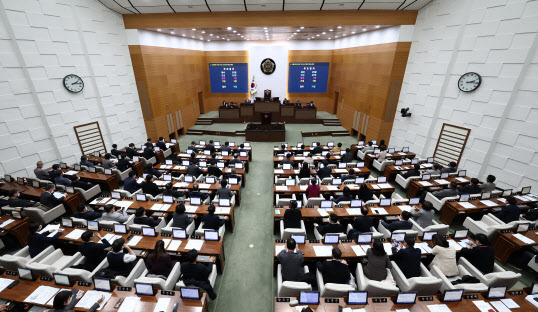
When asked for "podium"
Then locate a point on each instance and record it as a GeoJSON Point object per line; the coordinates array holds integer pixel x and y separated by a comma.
{"type": "Point", "coordinates": [267, 117]}
{"type": "Point", "coordinates": [267, 95]}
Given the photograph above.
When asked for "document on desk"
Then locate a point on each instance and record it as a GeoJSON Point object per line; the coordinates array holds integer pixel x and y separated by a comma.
{"type": "Point", "coordinates": [42, 295]}
{"type": "Point", "coordinates": [194, 244]}
{"type": "Point", "coordinates": [50, 228]}
{"type": "Point", "coordinates": [71, 172]}
{"type": "Point", "coordinates": [441, 181]}
{"type": "Point", "coordinates": [112, 202]}
{"type": "Point", "coordinates": [353, 186]}
{"type": "Point", "coordinates": [482, 305]}
{"type": "Point", "coordinates": [500, 306]}
{"type": "Point", "coordinates": [510, 303]}
{"type": "Point", "coordinates": [454, 244]}
{"type": "Point", "coordinates": [165, 207]}
{"type": "Point", "coordinates": [462, 179]}
{"type": "Point", "coordinates": [353, 310]}
{"type": "Point", "coordinates": [332, 188]}
{"type": "Point", "coordinates": [181, 184]}
{"type": "Point", "coordinates": [323, 251]}
{"type": "Point", "coordinates": [134, 240]}
{"type": "Point", "coordinates": [6, 223]}
{"type": "Point", "coordinates": [466, 205]}
{"type": "Point", "coordinates": [524, 238]}
{"type": "Point", "coordinates": [385, 185]}
{"type": "Point", "coordinates": [221, 210]}
{"type": "Point", "coordinates": [110, 238]}
{"type": "Point", "coordinates": [405, 208]}
{"type": "Point", "coordinates": [140, 180]}
{"type": "Point", "coordinates": [104, 200]}
{"type": "Point", "coordinates": [322, 212]}
{"type": "Point", "coordinates": [281, 188]}
{"type": "Point", "coordinates": [279, 248]}
{"type": "Point", "coordinates": [174, 245]}
{"type": "Point", "coordinates": [530, 298]}
{"type": "Point", "coordinates": [156, 207]}
{"type": "Point", "coordinates": [75, 234]}
{"type": "Point", "coordinates": [299, 158]}
{"type": "Point", "coordinates": [380, 211]}
{"type": "Point", "coordinates": [426, 247]}
{"type": "Point", "coordinates": [340, 170]}
{"type": "Point", "coordinates": [439, 308]}
{"type": "Point", "coordinates": [162, 305]}
{"type": "Point", "coordinates": [279, 171]}
{"type": "Point", "coordinates": [51, 301]}
{"type": "Point", "coordinates": [166, 241]}
{"type": "Point", "coordinates": [303, 187]}
{"type": "Point", "coordinates": [388, 248]}
{"type": "Point", "coordinates": [502, 200]}
{"type": "Point", "coordinates": [160, 183]}
{"type": "Point", "coordinates": [204, 186]}
{"type": "Point", "coordinates": [190, 209]}
{"type": "Point", "coordinates": [124, 204]}
{"type": "Point", "coordinates": [129, 304]}
{"type": "Point", "coordinates": [365, 247]}
{"type": "Point", "coordinates": [489, 203]}
{"type": "Point", "coordinates": [402, 154]}
{"type": "Point", "coordinates": [358, 250]}
{"type": "Point", "coordinates": [4, 283]}
{"type": "Point", "coordinates": [354, 211]}
{"type": "Point", "coordinates": [375, 186]}
{"type": "Point", "coordinates": [91, 297]}
{"type": "Point", "coordinates": [425, 183]}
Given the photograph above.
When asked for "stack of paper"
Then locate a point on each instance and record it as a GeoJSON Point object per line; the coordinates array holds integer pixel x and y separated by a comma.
{"type": "Point", "coordinates": [6, 223]}
{"type": "Point", "coordinates": [104, 200]}
{"type": "Point", "coordinates": [375, 186]}
{"type": "Point", "coordinates": [194, 244]}
{"type": "Point", "coordinates": [50, 228]}
{"type": "Point", "coordinates": [156, 207]}
{"type": "Point", "coordinates": [165, 207]}
{"type": "Point", "coordinates": [323, 251]}
{"type": "Point", "coordinates": [524, 239]}
{"type": "Point", "coordinates": [439, 308]}
{"type": "Point", "coordinates": [483, 306]}
{"type": "Point", "coordinates": [129, 304]}
{"type": "Point", "coordinates": [510, 303]}
{"type": "Point", "coordinates": [174, 245]}
{"type": "Point", "coordinates": [333, 188]}
{"type": "Point", "coordinates": [71, 172]}
{"type": "Point", "coordinates": [134, 240]}
{"type": "Point", "coordinates": [322, 212]}
{"type": "Point", "coordinates": [162, 305]}
{"type": "Point", "coordinates": [220, 210]}
{"type": "Point", "coordinates": [277, 171]}
{"type": "Point", "coordinates": [427, 165]}
{"type": "Point", "coordinates": [500, 306]}
{"type": "Point", "coordinates": [385, 185]}
{"type": "Point", "coordinates": [354, 211]}
{"type": "Point", "coordinates": [454, 244]}
{"type": "Point", "coordinates": [112, 202]}
{"type": "Point", "coordinates": [358, 250]}
{"type": "Point", "coordinates": [425, 183]}
{"type": "Point", "coordinates": [442, 181]}
{"type": "Point", "coordinates": [503, 200]}
{"type": "Point", "coordinates": [462, 179]}
{"type": "Point", "coordinates": [340, 171]}
{"type": "Point", "coordinates": [353, 186]}
{"type": "Point", "coordinates": [279, 248]}
{"type": "Point", "coordinates": [5, 282]}
{"type": "Point", "coordinates": [91, 297]}
{"type": "Point", "coordinates": [398, 168]}
{"type": "Point", "coordinates": [488, 203]}
{"type": "Point", "coordinates": [388, 248]}
{"type": "Point", "coordinates": [405, 208]}
{"type": "Point", "coordinates": [204, 186]}
{"type": "Point", "coordinates": [530, 298]}
{"type": "Point", "coordinates": [303, 187]}
{"type": "Point", "coordinates": [424, 247]}
{"type": "Point", "coordinates": [281, 188]}
{"type": "Point", "coordinates": [140, 180]}
{"type": "Point", "coordinates": [182, 184]}
{"type": "Point", "coordinates": [365, 247]}
{"type": "Point", "coordinates": [466, 205]}
{"type": "Point", "coordinates": [124, 204]}
{"type": "Point", "coordinates": [111, 237]}
{"type": "Point", "coordinates": [160, 183]}
{"type": "Point", "coordinates": [42, 295]}
{"type": "Point", "coordinates": [75, 234]}
{"type": "Point", "coordinates": [190, 209]}
{"type": "Point", "coordinates": [380, 211]}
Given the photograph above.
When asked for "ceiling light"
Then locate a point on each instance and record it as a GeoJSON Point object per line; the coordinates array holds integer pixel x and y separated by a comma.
{"type": "Point", "coordinates": [317, 35]}
{"type": "Point", "coordinates": [229, 28]}
{"type": "Point", "coordinates": [194, 29]}
{"type": "Point", "coordinates": [159, 29]}
{"type": "Point", "coordinates": [227, 39]}
{"type": "Point", "coordinates": [307, 38]}
{"type": "Point", "coordinates": [208, 40]}
{"type": "Point", "coordinates": [302, 27]}
{"type": "Point", "coordinates": [201, 38]}
{"type": "Point", "coordinates": [331, 29]}
{"type": "Point", "coordinates": [364, 29]}
{"type": "Point", "coordinates": [192, 37]}
{"type": "Point", "coordinates": [235, 31]}
{"type": "Point", "coordinates": [339, 27]}
{"type": "Point", "coordinates": [298, 30]}
{"type": "Point", "coordinates": [183, 35]}
{"type": "Point", "coordinates": [323, 33]}
{"type": "Point", "coordinates": [336, 36]}
{"type": "Point", "coordinates": [377, 26]}
{"type": "Point", "coordinates": [265, 28]}
{"type": "Point", "coordinates": [203, 31]}
{"type": "Point", "coordinates": [218, 36]}
{"type": "Point", "coordinates": [211, 34]}
{"type": "Point", "coordinates": [353, 32]}
{"type": "Point", "coordinates": [330, 38]}
{"type": "Point", "coordinates": [343, 34]}
{"type": "Point", "coordinates": [295, 33]}
{"type": "Point", "coordinates": [172, 32]}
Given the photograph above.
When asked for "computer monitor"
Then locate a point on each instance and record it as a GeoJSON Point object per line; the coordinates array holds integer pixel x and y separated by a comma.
{"type": "Point", "coordinates": [299, 203]}
{"type": "Point", "coordinates": [522, 228]}
{"type": "Point", "coordinates": [25, 274]}
{"type": "Point", "coordinates": [211, 235]}
{"type": "Point", "coordinates": [426, 177]}
{"type": "Point", "coordinates": [299, 239]}
{"type": "Point", "coordinates": [453, 295]}
{"type": "Point", "coordinates": [384, 202]}
{"type": "Point", "coordinates": [525, 190]}
{"type": "Point", "coordinates": [290, 182]}
{"type": "Point", "coordinates": [382, 179]}
{"type": "Point", "coordinates": [485, 195]}
{"type": "Point", "coordinates": [364, 238]}
{"type": "Point", "coordinates": [377, 151]}
{"type": "Point", "coordinates": [157, 148]}
{"type": "Point", "coordinates": [232, 144]}
{"type": "Point", "coordinates": [115, 195]}
{"type": "Point", "coordinates": [496, 292]}
{"type": "Point", "coordinates": [360, 164]}
{"type": "Point", "coordinates": [63, 165]}
{"type": "Point", "coordinates": [144, 289]}
{"type": "Point", "coordinates": [398, 162]}
{"type": "Point", "coordinates": [168, 199]}
{"type": "Point", "coordinates": [428, 235]}
{"type": "Point", "coordinates": [16, 214]}
{"type": "Point", "coordinates": [225, 153]}
{"type": "Point", "coordinates": [202, 143]}
{"type": "Point", "coordinates": [91, 169]}
{"type": "Point", "coordinates": [314, 144]}
{"type": "Point", "coordinates": [285, 144]}
{"type": "Point", "coordinates": [359, 180]}
{"type": "Point", "coordinates": [462, 173]}
{"type": "Point", "coordinates": [224, 202]}
{"type": "Point", "coordinates": [534, 288]}
{"type": "Point", "coordinates": [120, 228]}
{"type": "Point", "coordinates": [246, 144]}
{"type": "Point", "coordinates": [405, 149]}
{"type": "Point", "coordinates": [62, 280]}
{"type": "Point", "coordinates": [233, 181]}
{"type": "Point", "coordinates": [35, 184]}
{"type": "Point", "coordinates": [464, 197]}
{"type": "Point", "coordinates": [360, 143]}
{"type": "Point", "coordinates": [93, 225]}
{"type": "Point", "coordinates": [444, 175]}
{"type": "Point", "coordinates": [173, 141]}
{"type": "Point", "coordinates": [299, 144]}
{"type": "Point", "coordinates": [179, 233]}
{"type": "Point", "coordinates": [326, 204]}
{"type": "Point", "coordinates": [102, 284]}
{"type": "Point", "coordinates": [429, 160]}
{"type": "Point", "coordinates": [195, 201]}
{"type": "Point", "coordinates": [189, 151]}
{"type": "Point", "coordinates": [342, 165]}
{"type": "Point", "coordinates": [167, 177]}
{"type": "Point", "coordinates": [70, 190]}
{"type": "Point", "coordinates": [374, 142]}
{"type": "Point", "coordinates": [189, 179]}
{"type": "Point", "coordinates": [414, 200]}
{"type": "Point", "coordinates": [76, 167]}
{"type": "Point", "coordinates": [397, 237]}
{"type": "Point", "coordinates": [148, 231]}
{"type": "Point", "coordinates": [202, 164]}
{"type": "Point", "coordinates": [324, 153]}
{"type": "Point", "coordinates": [331, 239]}
{"type": "Point", "coordinates": [136, 158]}
{"type": "Point", "coordinates": [141, 197]}
{"type": "Point", "coordinates": [185, 163]}
{"type": "Point", "coordinates": [337, 181]}
{"type": "Point", "coordinates": [330, 144]}
{"type": "Point", "coordinates": [220, 165]}
{"type": "Point", "coordinates": [239, 165]}
{"type": "Point", "coordinates": [506, 193]}
{"type": "Point", "coordinates": [309, 297]}
{"type": "Point", "coordinates": [356, 203]}
{"type": "Point", "coordinates": [342, 153]}
{"type": "Point", "coordinates": [67, 222]}
{"type": "Point", "coordinates": [460, 234]}
{"type": "Point", "coordinates": [96, 154]}
{"type": "Point", "coordinates": [357, 297]}
{"type": "Point", "coordinates": [210, 180]}
{"type": "Point", "coordinates": [20, 181]}
{"type": "Point", "coordinates": [216, 143]}
{"type": "Point", "coordinates": [392, 150]}
{"type": "Point", "coordinates": [190, 293]}
{"type": "Point", "coordinates": [414, 161]}
{"type": "Point", "coordinates": [406, 298]}
{"type": "Point", "coordinates": [286, 166]}
{"type": "Point", "coordinates": [207, 152]}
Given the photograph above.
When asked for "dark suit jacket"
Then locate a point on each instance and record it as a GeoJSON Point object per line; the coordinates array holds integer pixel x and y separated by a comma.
{"type": "Point", "coordinates": [411, 173]}
{"type": "Point", "coordinates": [149, 187]}
{"type": "Point", "coordinates": [195, 271]}
{"type": "Point", "coordinates": [154, 172]}
{"type": "Point", "coordinates": [292, 265]}
{"type": "Point", "coordinates": [194, 170]}
{"type": "Point", "coordinates": [53, 174]}
{"type": "Point", "coordinates": [123, 164]}
{"type": "Point", "coordinates": [210, 147]}
{"type": "Point", "coordinates": [49, 200]}
{"type": "Point", "coordinates": [181, 220]}
{"type": "Point", "coordinates": [173, 193]}
{"type": "Point", "coordinates": [331, 228]}
{"type": "Point", "coordinates": [363, 223]}
{"type": "Point", "coordinates": [130, 185]}
{"type": "Point", "coordinates": [509, 213]}
{"type": "Point", "coordinates": [17, 202]}
{"type": "Point", "coordinates": [40, 242]}
{"type": "Point", "coordinates": [365, 194]}
{"type": "Point", "coordinates": [161, 145]}
{"type": "Point", "coordinates": [397, 225]}
{"type": "Point", "coordinates": [198, 194]}
{"type": "Point", "coordinates": [193, 148]}
{"type": "Point", "coordinates": [214, 171]}
{"type": "Point", "coordinates": [449, 170]}
{"type": "Point", "coordinates": [82, 184]}
{"type": "Point", "coordinates": [130, 152]}
{"type": "Point", "coordinates": [317, 150]}
{"type": "Point", "coordinates": [481, 257]}
{"type": "Point", "coordinates": [334, 272]}
{"type": "Point", "coordinates": [470, 189]}
{"type": "Point", "coordinates": [408, 260]}
{"type": "Point", "coordinates": [212, 222]}
{"type": "Point", "coordinates": [148, 153]}
{"type": "Point", "coordinates": [292, 218]}
{"type": "Point", "coordinates": [147, 221]}
{"type": "Point", "coordinates": [88, 215]}
{"type": "Point", "coordinates": [346, 158]}
{"type": "Point", "coordinates": [324, 172]}
{"type": "Point", "coordinates": [95, 253]}
{"type": "Point", "coordinates": [115, 152]}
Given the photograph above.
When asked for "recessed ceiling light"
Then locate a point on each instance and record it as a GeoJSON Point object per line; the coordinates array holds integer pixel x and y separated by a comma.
{"type": "Point", "coordinates": [343, 34]}
{"type": "Point", "coordinates": [336, 36]}
{"type": "Point", "coordinates": [302, 27]}
{"type": "Point", "coordinates": [331, 29]}
{"type": "Point", "coordinates": [227, 39]}
{"type": "Point", "coordinates": [192, 37]}
{"type": "Point", "coordinates": [235, 31]}
{"type": "Point", "coordinates": [159, 29]}
{"type": "Point", "coordinates": [364, 29]}
{"type": "Point", "coordinates": [208, 40]}
{"type": "Point", "coordinates": [323, 33]}
{"type": "Point", "coordinates": [377, 26]}
{"type": "Point", "coordinates": [317, 35]}
{"type": "Point", "coordinates": [203, 31]}
{"type": "Point", "coordinates": [307, 38]}
{"type": "Point", "coordinates": [339, 27]}
{"type": "Point", "coordinates": [298, 30]}
{"type": "Point", "coordinates": [201, 38]}
{"type": "Point", "coordinates": [295, 33]}
{"type": "Point", "coordinates": [183, 35]}
{"type": "Point", "coordinates": [194, 29]}
{"type": "Point", "coordinates": [353, 32]}
{"type": "Point", "coordinates": [229, 28]}
{"type": "Point", "coordinates": [330, 38]}
{"type": "Point", "coordinates": [265, 28]}
{"type": "Point", "coordinates": [172, 32]}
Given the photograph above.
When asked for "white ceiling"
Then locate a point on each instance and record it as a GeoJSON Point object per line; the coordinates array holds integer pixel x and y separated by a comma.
{"type": "Point", "coordinates": [171, 6]}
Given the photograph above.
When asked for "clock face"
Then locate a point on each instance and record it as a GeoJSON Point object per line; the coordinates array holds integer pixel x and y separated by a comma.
{"type": "Point", "coordinates": [73, 83]}
{"type": "Point", "coordinates": [469, 82]}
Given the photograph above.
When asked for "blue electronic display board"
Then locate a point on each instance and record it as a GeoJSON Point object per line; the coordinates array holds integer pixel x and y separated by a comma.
{"type": "Point", "coordinates": [308, 77]}
{"type": "Point", "coordinates": [228, 77]}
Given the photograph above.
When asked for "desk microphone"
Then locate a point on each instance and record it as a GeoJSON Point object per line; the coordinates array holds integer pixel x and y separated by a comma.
{"type": "Point", "coordinates": [294, 303]}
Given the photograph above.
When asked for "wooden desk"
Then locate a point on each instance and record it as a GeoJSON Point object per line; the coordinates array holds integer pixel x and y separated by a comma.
{"type": "Point", "coordinates": [213, 187]}
{"type": "Point", "coordinates": [369, 158]}
{"type": "Point", "coordinates": [233, 148]}
{"type": "Point", "coordinates": [362, 172]}
{"type": "Point", "coordinates": [507, 243]}
{"type": "Point", "coordinates": [391, 171]}
{"type": "Point", "coordinates": [225, 159]}
{"type": "Point", "coordinates": [183, 170]}
{"type": "Point", "coordinates": [147, 303]}
{"type": "Point", "coordinates": [295, 150]}
{"type": "Point", "coordinates": [300, 159]}
{"type": "Point", "coordinates": [229, 113]}
{"type": "Point", "coordinates": [109, 182]}
{"type": "Point", "coordinates": [415, 187]}
{"type": "Point", "coordinates": [305, 113]}
{"type": "Point", "coordinates": [138, 167]}
{"type": "Point", "coordinates": [71, 201]}
{"type": "Point", "coordinates": [17, 228]}
{"type": "Point", "coordinates": [301, 189]}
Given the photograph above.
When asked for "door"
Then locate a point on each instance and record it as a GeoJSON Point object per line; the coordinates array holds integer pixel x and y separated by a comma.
{"type": "Point", "coordinates": [335, 104]}
{"type": "Point", "coordinates": [201, 102]}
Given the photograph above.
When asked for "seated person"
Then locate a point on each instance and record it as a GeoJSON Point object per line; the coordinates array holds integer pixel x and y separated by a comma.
{"type": "Point", "coordinates": [402, 223]}
{"type": "Point", "coordinates": [335, 270]}
{"type": "Point", "coordinates": [350, 176]}
{"type": "Point", "coordinates": [131, 151]}
{"type": "Point", "coordinates": [40, 173]}
{"type": "Point", "coordinates": [210, 147]}
{"type": "Point", "coordinates": [336, 149]}
{"type": "Point", "coordinates": [38, 242]}
{"type": "Point", "coordinates": [382, 156]}
{"type": "Point", "coordinates": [298, 104]}
{"type": "Point", "coordinates": [435, 171]}
{"type": "Point", "coordinates": [332, 227]}
{"type": "Point", "coordinates": [212, 221]}
{"type": "Point", "coordinates": [344, 197]}
{"type": "Point", "coordinates": [213, 160]}
{"type": "Point", "coordinates": [48, 199]}
{"type": "Point", "coordinates": [226, 147]}
{"type": "Point", "coordinates": [213, 170]}
{"type": "Point", "coordinates": [286, 101]}
{"type": "Point", "coordinates": [154, 172]}
{"type": "Point", "coordinates": [224, 191]}
{"type": "Point", "coordinates": [123, 163]}
{"type": "Point", "coordinates": [309, 160]}
{"type": "Point", "coordinates": [114, 214]}
{"type": "Point", "coordinates": [304, 172]}
{"type": "Point", "coordinates": [197, 274]}
{"type": "Point", "coordinates": [149, 187]}
{"type": "Point", "coordinates": [115, 151]}
{"type": "Point", "coordinates": [369, 147]}
{"type": "Point", "coordinates": [194, 170]}
{"type": "Point", "coordinates": [54, 172]}
{"type": "Point", "coordinates": [15, 201]}
{"type": "Point", "coordinates": [148, 151]}
{"type": "Point", "coordinates": [195, 192]}
{"type": "Point", "coordinates": [451, 191]}
{"type": "Point", "coordinates": [107, 162]}
{"type": "Point", "coordinates": [292, 216]}
{"type": "Point", "coordinates": [318, 149]}
{"type": "Point", "coordinates": [415, 172]}
{"type": "Point", "coordinates": [84, 213]}
{"type": "Point", "coordinates": [362, 224]}
{"type": "Point", "coordinates": [292, 264]}
{"type": "Point", "coordinates": [313, 189]}
{"type": "Point", "coordinates": [94, 253]}
{"type": "Point", "coordinates": [472, 188]}
{"type": "Point", "coordinates": [84, 161]}
{"type": "Point", "coordinates": [141, 217]}
{"type": "Point", "coordinates": [364, 193]}
{"type": "Point", "coordinates": [236, 159]}
{"type": "Point", "coordinates": [324, 172]}
{"type": "Point", "coordinates": [452, 167]}
{"type": "Point", "coordinates": [233, 174]}
{"type": "Point", "coordinates": [509, 212]}
{"type": "Point", "coordinates": [76, 182]}
{"type": "Point", "coordinates": [180, 218]}
{"type": "Point", "coordinates": [61, 180]}
{"type": "Point", "coordinates": [489, 185]}
{"type": "Point", "coordinates": [241, 148]}
{"type": "Point", "coordinates": [169, 191]}
{"type": "Point", "coordinates": [480, 254]}
{"type": "Point", "coordinates": [287, 160]}
{"type": "Point", "coordinates": [347, 157]}
{"type": "Point", "coordinates": [328, 160]}
{"type": "Point", "coordinates": [378, 262]}
{"type": "Point", "coordinates": [193, 160]}
{"type": "Point", "coordinates": [444, 256]}
{"type": "Point", "coordinates": [130, 184]}
{"type": "Point", "coordinates": [193, 148]}
{"type": "Point", "coordinates": [407, 257]}
{"type": "Point", "coordinates": [119, 262]}
{"type": "Point", "coordinates": [424, 216]}
{"type": "Point", "coordinates": [63, 302]}
{"type": "Point", "coordinates": [161, 144]}
{"type": "Point", "coordinates": [158, 262]}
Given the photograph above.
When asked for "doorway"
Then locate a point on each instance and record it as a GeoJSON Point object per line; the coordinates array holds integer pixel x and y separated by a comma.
{"type": "Point", "coordinates": [201, 102]}
{"type": "Point", "coordinates": [335, 104]}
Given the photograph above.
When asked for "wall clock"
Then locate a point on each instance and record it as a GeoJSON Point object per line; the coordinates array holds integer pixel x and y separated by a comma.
{"type": "Point", "coordinates": [469, 82]}
{"type": "Point", "coordinates": [73, 83]}
{"type": "Point", "coordinates": [268, 66]}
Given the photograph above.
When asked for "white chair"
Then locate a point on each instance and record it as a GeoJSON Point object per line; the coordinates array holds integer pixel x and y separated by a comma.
{"type": "Point", "coordinates": [200, 231]}
{"type": "Point", "coordinates": [167, 152]}
{"type": "Point", "coordinates": [125, 193]}
{"type": "Point", "coordinates": [52, 263]}
{"type": "Point", "coordinates": [386, 233]}
{"type": "Point", "coordinates": [121, 175]}
{"type": "Point", "coordinates": [138, 227]}
{"type": "Point", "coordinates": [159, 283]}
{"type": "Point", "coordinates": [22, 257]}
{"type": "Point", "coordinates": [375, 288]}
{"type": "Point", "coordinates": [87, 195]}
{"type": "Point", "coordinates": [81, 274]}
{"type": "Point", "coordinates": [361, 154]}
{"type": "Point", "coordinates": [404, 182]}
{"type": "Point", "coordinates": [373, 231]}
{"type": "Point", "coordinates": [487, 225]}
{"type": "Point", "coordinates": [499, 276]}
{"type": "Point", "coordinates": [374, 200]}
{"type": "Point", "coordinates": [333, 289]}
{"type": "Point", "coordinates": [303, 181]}
{"type": "Point", "coordinates": [513, 224]}
{"type": "Point", "coordinates": [168, 229]}
{"type": "Point", "coordinates": [439, 203]}
{"type": "Point", "coordinates": [328, 179]}
{"type": "Point", "coordinates": [43, 217]}
{"type": "Point", "coordinates": [396, 199]}
{"type": "Point", "coordinates": [312, 201]}
{"type": "Point", "coordinates": [448, 281]}
{"type": "Point", "coordinates": [442, 229]}
{"type": "Point", "coordinates": [287, 233]}
{"type": "Point", "coordinates": [289, 288]}
{"type": "Point", "coordinates": [425, 284]}
{"type": "Point", "coordinates": [284, 201]}
{"type": "Point", "coordinates": [380, 166]}
{"type": "Point", "coordinates": [109, 225]}
{"type": "Point", "coordinates": [151, 161]}
{"type": "Point", "coordinates": [212, 278]}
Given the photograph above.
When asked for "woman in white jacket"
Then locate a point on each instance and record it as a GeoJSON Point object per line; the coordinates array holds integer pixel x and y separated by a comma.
{"type": "Point", "coordinates": [445, 256]}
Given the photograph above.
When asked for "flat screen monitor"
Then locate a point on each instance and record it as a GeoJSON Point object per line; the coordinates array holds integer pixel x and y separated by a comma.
{"type": "Point", "coordinates": [314, 144]}
{"type": "Point", "coordinates": [534, 289]}
{"type": "Point", "coordinates": [392, 150]}
{"type": "Point", "coordinates": [428, 235]}
{"type": "Point", "coordinates": [324, 153]}
{"type": "Point", "coordinates": [136, 158]}
{"type": "Point", "coordinates": [91, 169]}
{"type": "Point", "coordinates": [225, 153]}
{"type": "Point", "coordinates": [382, 179]}
{"type": "Point", "coordinates": [496, 292]}
{"type": "Point", "coordinates": [144, 289]}
{"type": "Point", "coordinates": [148, 231]}
{"type": "Point", "coordinates": [25, 274]}
{"type": "Point", "coordinates": [414, 161]}
{"type": "Point", "coordinates": [167, 177]}
{"type": "Point", "coordinates": [309, 297]}
{"type": "Point", "coordinates": [506, 193]}
{"type": "Point", "coordinates": [444, 175]}
{"type": "Point", "coordinates": [76, 167]}
{"type": "Point", "coordinates": [189, 179]}
{"type": "Point", "coordinates": [337, 181]}
{"type": "Point", "coordinates": [374, 142]}
{"type": "Point", "coordinates": [102, 284]}
{"type": "Point", "coordinates": [290, 182]}
{"type": "Point", "coordinates": [179, 233]}
{"type": "Point", "coordinates": [62, 280]}
{"type": "Point", "coordinates": [364, 238]}
{"type": "Point", "coordinates": [168, 199]}
{"type": "Point", "coordinates": [464, 197]}
{"type": "Point", "coordinates": [93, 225]}
{"type": "Point", "coordinates": [16, 214]}
{"type": "Point", "coordinates": [202, 164]}
{"type": "Point", "coordinates": [360, 143]}
{"type": "Point", "coordinates": [246, 144]}
{"type": "Point", "coordinates": [429, 160]}
{"type": "Point", "coordinates": [190, 293]}
{"type": "Point", "coordinates": [522, 228]}
{"type": "Point", "coordinates": [485, 195]}
{"type": "Point", "coordinates": [331, 239]}
{"type": "Point", "coordinates": [67, 222]}
{"type": "Point", "coordinates": [35, 184]}
{"type": "Point", "coordinates": [216, 143]}
{"type": "Point", "coordinates": [462, 173]}
{"type": "Point", "coordinates": [63, 165]}
{"type": "Point", "coordinates": [300, 144]}
{"type": "Point", "coordinates": [414, 200]}
{"type": "Point", "coordinates": [185, 163]}
{"type": "Point", "coordinates": [232, 181]}
{"type": "Point", "coordinates": [286, 166]}
{"type": "Point", "coordinates": [224, 202]}
{"type": "Point", "coordinates": [202, 143]}
{"type": "Point", "coordinates": [326, 204]}
{"type": "Point", "coordinates": [211, 235]}
{"type": "Point", "coordinates": [210, 180]}
{"type": "Point", "coordinates": [108, 171]}
{"type": "Point", "coordinates": [426, 177]}
{"type": "Point", "coordinates": [357, 297]}
{"type": "Point", "coordinates": [239, 165]}
{"type": "Point", "coordinates": [207, 152]}
{"type": "Point", "coordinates": [120, 228]}
{"type": "Point", "coordinates": [157, 148]}
{"type": "Point", "coordinates": [525, 190]}
{"type": "Point", "coordinates": [360, 164]}
{"type": "Point", "coordinates": [284, 144]}
{"type": "Point", "coordinates": [356, 203]}
{"type": "Point", "coordinates": [220, 165]}
{"type": "Point", "coordinates": [173, 141]}
{"type": "Point", "coordinates": [196, 201]}
{"type": "Point", "coordinates": [342, 165]}
{"type": "Point", "coordinates": [70, 190]}
{"type": "Point", "coordinates": [406, 298]}
{"type": "Point", "coordinates": [453, 295]}
{"type": "Point", "coordinates": [141, 197]}
{"type": "Point", "coordinates": [242, 154]}
{"type": "Point", "coordinates": [330, 144]}
{"type": "Point", "coordinates": [398, 162]}
{"type": "Point", "coordinates": [377, 151]}
{"type": "Point", "coordinates": [299, 239]}
{"type": "Point", "coordinates": [384, 202]}
{"type": "Point", "coordinates": [96, 154]}
{"type": "Point", "coordinates": [115, 195]}
{"type": "Point", "coordinates": [397, 237]}
{"type": "Point", "coordinates": [359, 180]}
{"type": "Point", "coordinates": [405, 149]}
{"type": "Point", "coordinates": [461, 234]}
{"type": "Point", "coordinates": [232, 144]}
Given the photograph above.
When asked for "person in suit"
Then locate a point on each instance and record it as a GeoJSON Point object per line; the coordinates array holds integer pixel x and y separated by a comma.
{"type": "Point", "coordinates": [154, 172]}
{"type": "Point", "coordinates": [159, 263]}
{"type": "Point", "coordinates": [292, 264]}
{"type": "Point", "coordinates": [328, 160]}
{"type": "Point", "coordinates": [48, 199]}
{"type": "Point", "coordinates": [115, 151]}
{"type": "Point", "coordinates": [161, 144]}
{"type": "Point", "coordinates": [193, 160]}
{"type": "Point", "coordinates": [212, 221]}
{"type": "Point", "coordinates": [304, 172]}
{"type": "Point", "coordinates": [61, 180]}
{"type": "Point", "coordinates": [38, 242]}
{"type": "Point", "coordinates": [149, 187]}
{"type": "Point", "coordinates": [347, 157]}
{"type": "Point", "coordinates": [94, 253]}
{"type": "Point", "coordinates": [54, 172]}
{"type": "Point", "coordinates": [364, 193]}
{"type": "Point", "coordinates": [346, 196]}
{"type": "Point", "coordinates": [131, 151]}
{"type": "Point", "coordinates": [148, 151]}
{"type": "Point", "coordinates": [452, 168]}
{"type": "Point", "coordinates": [194, 170]}
{"type": "Point", "coordinates": [142, 218]}
{"type": "Point", "coordinates": [337, 149]}
{"type": "Point", "coordinates": [332, 227]}
{"type": "Point", "coordinates": [509, 212]}
{"type": "Point", "coordinates": [107, 162]}
{"type": "Point", "coordinates": [40, 173]}
{"type": "Point", "coordinates": [226, 147]}
{"type": "Point", "coordinates": [368, 148]}
{"type": "Point", "coordinates": [424, 216]}
{"type": "Point", "coordinates": [361, 224]}
{"type": "Point", "coordinates": [123, 163]}
{"type": "Point", "coordinates": [287, 160]}
{"type": "Point", "coordinates": [324, 172]}
{"type": "Point", "coordinates": [84, 213]}
{"type": "Point", "coordinates": [84, 161]}
{"type": "Point", "coordinates": [236, 159]}
{"type": "Point", "coordinates": [336, 269]}
{"type": "Point", "coordinates": [286, 101]}
{"type": "Point", "coordinates": [114, 214]}
{"type": "Point", "coordinates": [318, 149]}
{"type": "Point", "coordinates": [292, 216]}
{"type": "Point", "coordinates": [378, 262]}
{"type": "Point", "coordinates": [481, 255]}
{"type": "Point", "coordinates": [213, 170]}
{"type": "Point", "coordinates": [76, 182]}
{"type": "Point", "coordinates": [402, 223]}
{"type": "Point", "coordinates": [197, 274]}
{"type": "Point", "coordinates": [63, 302]}
{"type": "Point", "coordinates": [313, 189]}
{"type": "Point", "coordinates": [193, 148]}
{"type": "Point", "coordinates": [210, 147]}
{"type": "Point", "coordinates": [224, 191]}
{"type": "Point", "coordinates": [415, 172]}
{"type": "Point", "coordinates": [472, 188]}
{"type": "Point", "coordinates": [407, 257]}
{"type": "Point", "coordinates": [130, 184]}
{"type": "Point", "coordinates": [15, 201]}
{"type": "Point", "coordinates": [282, 151]}
{"type": "Point", "coordinates": [452, 190]}
{"type": "Point", "coordinates": [298, 104]}
{"type": "Point", "coordinates": [489, 185]}
{"type": "Point", "coordinates": [195, 192]}
{"type": "Point", "coordinates": [444, 256]}
{"type": "Point", "coordinates": [119, 262]}
{"type": "Point", "coordinates": [241, 148]}
{"type": "Point", "coordinates": [233, 174]}
{"type": "Point", "coordinates": [435, 171]}
{"type": "Point", "coordinates": [169, 191]}
{"type": "Point", "coordinates": [180, 218]}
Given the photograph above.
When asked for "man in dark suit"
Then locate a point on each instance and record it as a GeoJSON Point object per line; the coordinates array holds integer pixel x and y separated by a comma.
{"type": "Point", "coordinates": [224, 191]}
{"type": "Point", "coordinates": [210, 146]}
{"type": "Point", "coordinates": [335, 270]}
{"type": "Point", "coordinates": [123, 163]}
{"type": "Point", "coordinates": [287, 160]}
{"type": "Point", "coordinates": [452, 168]}
{"type": "Point", "coordinates": [324, 172]}
{"type": "Point", "coordinates": [61, 180]}
{"type": "Point", "coordinates": [472, 188]}
{"type": "Point", "coordinates": [38, 242]}
{"type": "Point", "coordinates": [75, 182]}
{"type": "Point", "coordinates": [130, 151]}
{"type": "Point", "coordinates": [452, 190]}
{"type": "Point", "coordinates": [148, 151]}
{"type": "Point", "coordinates": [213, 160]}
{"type": "Point", "coordinates": [169, 191]}
{"type": "Point", "coordinates": [195, 192]}
{"type": "Point", "coordinates": [84, 162]}
{"type": "Point", "coordinates": [407, 258]}
{"type": "Point", "coordinates": [233, 174]}
{"type": "Point", "coordinates": [194, 170]}
{"type": "Point", "coordinates": [15, 201]}
{"type": "Point", "coordinates": [48, 199]}
{"type": "Point", "coordinates": [350, 176]}
{"type": "Point", "coordinates": [213, 170]}
{"type": "Point", "coordinates": [318, 149]}
{"type": "Point", "coordinates": [509, 212]}
{"type": "Point", "coordinates": [130, 184]}
{"type": "Point", "coordinates": [292, 264]}
{"type": "Point", "coordinates": [54, 172]}
{"type": "Point", "coordinates": [115, 151]}
{"type": "Point", "coordinates": [332, 227]}
{"type": "Point", "coordinates": [94, 253]}
{"type": "Point", "coordinates": [193, 148]}
{"type": "Point", "coordinates": [211, 220]}
{"type": "Point", "coordinates": [236, 160]}
{"type": "Point", "coordinates": [347, 157]}
{"type": "Point", "coordinates": [481, 255]}
{"type": "Point", "coordinates": [361, 224]}
{"type": "Point", "coordinates": [415, 172]}
{"type": "Point", "coordinates": [149, 187]}
{"type": "Point", "coordinates": [142, 218]}
{"type": "Point", "coordinates": [84, 213]}
{"type": "Point", "coordinates": [226, 147]}
{"type": "Point", "coordinates": [402, 223]}
{"type": "Point", "coordinates": [161, 144]}
{"type": "Point", "coordinates": [197, 274]}
{"type": "Point", "coordinates": [150, 170]}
